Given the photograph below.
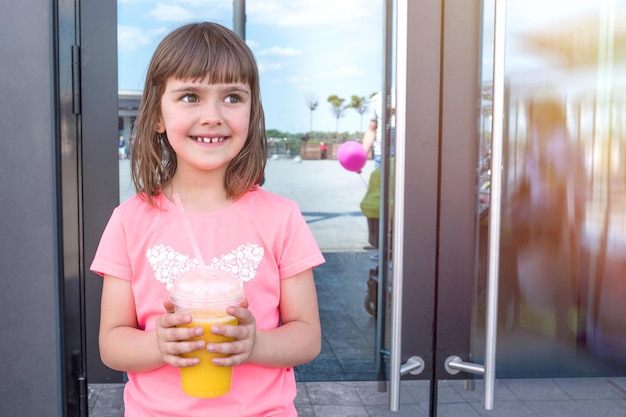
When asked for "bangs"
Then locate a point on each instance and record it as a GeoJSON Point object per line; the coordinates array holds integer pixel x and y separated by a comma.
{"type": "Point", "coordinates": [203, 51]}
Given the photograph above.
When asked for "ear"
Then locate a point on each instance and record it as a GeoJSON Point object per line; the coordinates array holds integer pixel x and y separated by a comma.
{"type": "Point", "coordinates": [160, 127]}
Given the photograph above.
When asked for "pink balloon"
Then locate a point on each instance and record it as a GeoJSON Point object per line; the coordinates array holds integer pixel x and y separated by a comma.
{"type": "Point", "coordinates": [352, 156]}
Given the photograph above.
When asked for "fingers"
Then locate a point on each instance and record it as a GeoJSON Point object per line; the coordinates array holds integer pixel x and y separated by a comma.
{"type": "Point", "coordinates": [169, 306]}
{"type": "Point", "coordinates": [242, 313]}
{"type": "Point", "coordinates": [236, 352]}
{"type": "Point", "coordinates": [175, 337]}
{"type": "Point", "coordinates": [244, 335]}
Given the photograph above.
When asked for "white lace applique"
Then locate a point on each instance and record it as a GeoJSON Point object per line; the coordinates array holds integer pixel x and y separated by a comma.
{"type": "Point", "coordinates": [167, 263]}
{"type": "Point", "coordinates": [243, 262]}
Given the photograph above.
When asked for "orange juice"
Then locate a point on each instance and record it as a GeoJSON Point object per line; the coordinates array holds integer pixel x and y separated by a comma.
{"type": "Point", "coordinates": [205, 294]}
{"type": "Point", "coordinates": [205, 379]}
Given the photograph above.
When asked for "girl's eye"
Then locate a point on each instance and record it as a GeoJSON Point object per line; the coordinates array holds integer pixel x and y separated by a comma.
{"type": "Point", "coordinates": [190, 98]}
{"type": "Point", "coordinates": [232, 99]}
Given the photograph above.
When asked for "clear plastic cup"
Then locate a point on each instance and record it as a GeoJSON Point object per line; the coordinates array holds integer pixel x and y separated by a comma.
{"type": "Point", "coordinates": [205, 293]}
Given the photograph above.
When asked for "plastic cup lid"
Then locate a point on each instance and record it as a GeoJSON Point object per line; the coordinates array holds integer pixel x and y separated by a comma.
{"type": "Point", "coordinates": [206, 287]}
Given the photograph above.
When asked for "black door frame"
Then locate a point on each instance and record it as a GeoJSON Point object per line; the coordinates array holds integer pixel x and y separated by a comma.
{"type": "Point", "coordinates": [87, 100]}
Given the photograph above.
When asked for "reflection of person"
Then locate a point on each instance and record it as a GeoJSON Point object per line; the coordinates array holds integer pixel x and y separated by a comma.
{"type": "Point", "coordinates": [200, 135]}
{"type": "Point", "coordinates": [372, 143]}
{"type": "Point", "coordinates": [370, 204]}
{"type": "Point", "coordinates": [121, 146]}
{"type": "Point", "coordinates": [323, 150]}
{"type": "Point", "coordinates": [372, 138]}
{"type": "Point", "coordinates": [547, 210]}
{"type": "Point", "coordinates": [551, 194]}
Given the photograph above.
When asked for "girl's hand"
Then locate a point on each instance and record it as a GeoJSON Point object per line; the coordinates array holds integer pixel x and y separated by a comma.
{"type": "Point", "coordinates": [174, 341]}
{"type": "Point", "coordinates": [244, 335]}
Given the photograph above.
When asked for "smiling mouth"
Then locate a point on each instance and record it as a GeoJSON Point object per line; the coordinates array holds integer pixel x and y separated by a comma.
{"type": "Point", "coordinates": [208, 140]}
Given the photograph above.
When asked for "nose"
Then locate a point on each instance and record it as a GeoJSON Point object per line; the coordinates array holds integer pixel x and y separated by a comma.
{"type": "Point", "coordinates": [211, 113]}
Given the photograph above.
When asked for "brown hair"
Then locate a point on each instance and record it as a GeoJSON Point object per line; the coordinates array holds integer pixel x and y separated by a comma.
{"type": "Point", "coordinates": [197, 51]}
{"type": "Point", "coordinates": [546, 114]}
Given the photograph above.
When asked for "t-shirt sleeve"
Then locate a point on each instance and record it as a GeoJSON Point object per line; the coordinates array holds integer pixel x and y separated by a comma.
{"type": "Point", "coordinates": [111, 257]}
{"type": "Point", "coordinates": [300, 251]}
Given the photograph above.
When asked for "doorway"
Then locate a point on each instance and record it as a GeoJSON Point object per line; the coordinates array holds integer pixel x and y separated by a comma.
{"type": "Point", "coordinates": [555, 338]}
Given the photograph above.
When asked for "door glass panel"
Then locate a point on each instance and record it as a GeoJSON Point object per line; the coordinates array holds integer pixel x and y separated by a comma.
{"type": "Point", "coordinates": [563, 228]}
{"type": "Point", "coordinates": [140, 27]}
{"type": "Point", "coordinates": [306, 52]}
{"type": "Point", "coordinates": [299, 74]}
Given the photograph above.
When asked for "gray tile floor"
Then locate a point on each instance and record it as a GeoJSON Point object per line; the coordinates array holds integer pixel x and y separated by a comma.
{"type": "Point", "coordinates": [563, 397]}
{"type": "Point", "coordinates": [348, 331]}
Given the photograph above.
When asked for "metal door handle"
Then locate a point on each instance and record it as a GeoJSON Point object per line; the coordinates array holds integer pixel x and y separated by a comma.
{"type": "Point", "coordinates": [454, 364]}
{"type": "Point", "coordinates": [395, 365]}
{"type": "Point", "coordinates": [497, 131]}
{"type": "Point", "coordinates": [414, 366]}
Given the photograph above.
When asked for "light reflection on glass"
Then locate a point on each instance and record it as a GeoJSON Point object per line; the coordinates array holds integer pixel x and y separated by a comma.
{"type": "Point", "coordinates": [563, 243]}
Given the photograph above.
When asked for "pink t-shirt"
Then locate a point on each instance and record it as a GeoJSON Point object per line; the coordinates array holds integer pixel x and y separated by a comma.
{"type": "Point", "coordinates": [262, 238]}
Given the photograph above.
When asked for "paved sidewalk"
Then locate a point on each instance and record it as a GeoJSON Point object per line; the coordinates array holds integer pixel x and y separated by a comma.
{"type": "Point", "coordinates": [328, 196]}
{"type": "Point", "coordinates": [577, 397]}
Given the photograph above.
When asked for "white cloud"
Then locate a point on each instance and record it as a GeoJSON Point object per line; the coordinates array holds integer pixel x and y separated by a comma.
{"type": "Point", "coordinates": [132, 38]}
{"type": "Point", "coordinates": [251, 43]}
{"type": "Point", "coordinates": [289, 13]}
{"type": "Point", "coordinates": [170, 13]}
{"type": "Point", "coordinates": [265, 66]}
{"type": "Point", "coordinates": [208, 4]}
{"type": "Point", "coordinates": [279, 51]}
{"type": "Point", "coordinates": [178, 11]}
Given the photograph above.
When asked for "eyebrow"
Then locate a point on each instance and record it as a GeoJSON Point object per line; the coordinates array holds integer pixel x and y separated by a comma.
{"type": "Point", "coordinates": [238, 88]}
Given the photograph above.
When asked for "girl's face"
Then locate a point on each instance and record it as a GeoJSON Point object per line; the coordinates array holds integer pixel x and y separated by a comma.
{"type": "Point", "coordinates": [206, 124]}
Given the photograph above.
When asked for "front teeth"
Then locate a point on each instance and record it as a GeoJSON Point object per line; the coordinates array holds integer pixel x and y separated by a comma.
{"type": "Point", "coordinates": [209, 140]}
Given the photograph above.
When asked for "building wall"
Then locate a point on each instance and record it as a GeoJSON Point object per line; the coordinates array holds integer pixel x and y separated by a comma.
{"type": "Point", "coordinates": [30, 348]}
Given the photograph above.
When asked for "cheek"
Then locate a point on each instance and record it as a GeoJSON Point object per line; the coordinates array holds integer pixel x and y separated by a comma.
{"type": "Point", "coordinates": [243, 124]}
{"type": "Point", "coordinates": [173, 122]}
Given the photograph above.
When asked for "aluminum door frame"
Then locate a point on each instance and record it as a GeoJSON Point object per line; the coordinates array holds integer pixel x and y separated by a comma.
{"type": "Point", "coordinates": [435, 181]}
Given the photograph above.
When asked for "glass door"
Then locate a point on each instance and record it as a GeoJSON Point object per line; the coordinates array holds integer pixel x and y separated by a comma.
{"type": "Point", "coordinates": [558, 106]}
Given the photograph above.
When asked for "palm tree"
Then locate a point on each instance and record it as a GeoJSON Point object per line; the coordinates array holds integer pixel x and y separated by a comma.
{"type": "Point", "coordinates": [312, 102]}
{"type": "Point", "coordinates": [338, 110]}
{"type": "Point", "coordinates": [360, 104]}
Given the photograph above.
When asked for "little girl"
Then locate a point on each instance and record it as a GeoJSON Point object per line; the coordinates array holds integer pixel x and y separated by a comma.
{"type": "Point", "coordinates": [200, 136]}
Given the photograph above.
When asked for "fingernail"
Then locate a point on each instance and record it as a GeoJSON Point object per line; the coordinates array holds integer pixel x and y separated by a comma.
{"type": "Point", "coordinates": [210, 348]}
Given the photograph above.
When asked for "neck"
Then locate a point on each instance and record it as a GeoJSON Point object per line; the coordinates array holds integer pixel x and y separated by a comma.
{"type": "Point", "coordinates": [199, 194]}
